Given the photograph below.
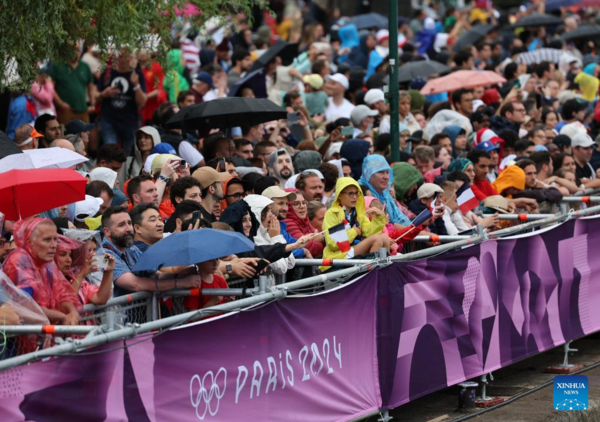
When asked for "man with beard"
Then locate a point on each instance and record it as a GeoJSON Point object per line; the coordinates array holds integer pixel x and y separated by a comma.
{"type": "Point", "coordinates": [280, 165]}
{"type": "Point", "coordinates": [119, 242]}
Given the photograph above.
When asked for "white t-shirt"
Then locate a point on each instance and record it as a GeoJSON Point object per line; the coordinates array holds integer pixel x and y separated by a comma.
{"type": "Point", "coordinates": [334, 112]}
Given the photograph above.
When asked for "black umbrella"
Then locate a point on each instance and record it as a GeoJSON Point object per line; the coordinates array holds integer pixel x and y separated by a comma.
{"type": "Point", "coordinates": [537, 19]}
{"type": "Point", "coordinates": [584, 31]}
{"type": "Point", "coordinates": [473, 36]}
{"type": "Point", "coordinates": [255, 80]}
{"type": "Point", "coordinates": [8, 147]}
{"type": "Point", "coordinates": [224, 113]}
{"type": "Point", "coordinates": [285, 50]}
{"type": "Point", "coordinates": [369, 20]}
{"type": "Point", "coordinates": [420, 69]}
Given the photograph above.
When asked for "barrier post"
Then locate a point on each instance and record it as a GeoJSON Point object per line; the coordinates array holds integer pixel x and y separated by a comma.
{"type": "Point", "coordinates": [484, 400]}
{"type": "Point", "coordinates": [109, 320]}
{"type": "Point", "coordinates": [262, 284]}
{"type": "Point", "coordinates": [565, 368]}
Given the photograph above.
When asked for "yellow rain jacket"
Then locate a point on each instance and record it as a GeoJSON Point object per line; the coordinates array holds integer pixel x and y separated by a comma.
{"type": "Point", "coordinates": [335, 215]}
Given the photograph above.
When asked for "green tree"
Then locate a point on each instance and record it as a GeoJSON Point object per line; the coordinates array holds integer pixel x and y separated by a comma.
{"type": "Point", "coordinates": [36, 30]}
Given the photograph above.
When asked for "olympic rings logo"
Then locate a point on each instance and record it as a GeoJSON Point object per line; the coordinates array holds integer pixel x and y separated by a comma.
{"type": "Point", "coordinates": [204, 390]}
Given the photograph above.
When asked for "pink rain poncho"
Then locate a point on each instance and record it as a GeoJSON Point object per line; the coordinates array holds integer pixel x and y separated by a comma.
{"type": "Point", "coordinates": [78, 255]}
{"type": "Point", "coordinates": [43, 280]}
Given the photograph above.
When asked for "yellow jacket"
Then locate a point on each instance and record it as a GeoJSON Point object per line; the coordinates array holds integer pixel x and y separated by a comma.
{"type": "Point", "coordinates": [335, 215]}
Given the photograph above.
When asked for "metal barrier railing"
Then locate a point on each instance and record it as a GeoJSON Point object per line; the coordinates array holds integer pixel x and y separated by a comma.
{"type": "Point", "coordinates": [581, 199]}
{"type": "Point", "coordinates": [113, 328]}
{"type": "Point", "coordinates": [591, 191]}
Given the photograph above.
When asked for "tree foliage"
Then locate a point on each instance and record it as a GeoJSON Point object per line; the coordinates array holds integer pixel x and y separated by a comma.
{"type": "Point", "coordinates": [37, 30]}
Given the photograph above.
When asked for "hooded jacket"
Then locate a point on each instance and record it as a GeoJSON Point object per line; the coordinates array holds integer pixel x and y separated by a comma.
{"type": "Point", "coordinates": [453, 131]}
{"type": "Point", "coordinates": [298, 227]}
{"type": "Point", "coordinates": [336, 215]}
{"type": "Point", "coordinates": [274, 168]}
{"type": "Point", "coordinates": [355, 151]}
{"type": "Point", "coordinates": [134, 165]}
{"type": "Point", "coordinates": [257, 204]}
{"type": "Point", "coordinates": [511, 177]}
{"type": "Point", "coordinates": [405, 176]}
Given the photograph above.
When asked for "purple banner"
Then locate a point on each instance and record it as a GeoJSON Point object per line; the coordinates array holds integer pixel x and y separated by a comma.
{"type": "Point", "coordinates": [473, 311]}
{"type": "Point", "coordinates": [303, 358]}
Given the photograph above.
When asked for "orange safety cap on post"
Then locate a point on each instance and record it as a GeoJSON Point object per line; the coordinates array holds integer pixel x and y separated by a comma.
{"type": "Point", "coordinates": [523, 217]}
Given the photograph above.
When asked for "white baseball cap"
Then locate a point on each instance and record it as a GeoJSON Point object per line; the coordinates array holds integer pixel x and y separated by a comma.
{"type": "Point", "coordinates": [374, 95]}
{"type": "Point", "coordinates": [573, 129]}
{"type": "Point", "coordinates": [87, 208]}
{"type": "Point", "coordinates": [582, 140]}
{"type": "Point", "coordinates": [360, 112]}
{"type": "Point", "coordinates": [340, 79]}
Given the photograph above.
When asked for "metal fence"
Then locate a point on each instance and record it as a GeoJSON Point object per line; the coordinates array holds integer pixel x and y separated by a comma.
{"type": "Point", "coordinates": [143, 312]}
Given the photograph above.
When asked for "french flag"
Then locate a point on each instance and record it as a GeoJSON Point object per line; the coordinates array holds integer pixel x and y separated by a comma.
{"type": "Point", "coordinates": [466, 198]}
{"type": "Point", "coordinates": [340, 236]}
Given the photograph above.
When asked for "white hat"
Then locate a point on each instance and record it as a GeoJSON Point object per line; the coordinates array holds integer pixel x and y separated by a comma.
{"type": "Point", "coordinates": [340, 79]}
{"type": "Point", "coordinates": [361, 112]}
{"type": "Point", "coordinates": [382, 34]}
{"type": "Point", "coordinates": [427, 190]}
{"type": "Point", "coordinates": [104, 174]}
{"type": "Point", "coordinates": [573, 129]}
{"type": "Point", "coordinates": [477, 104]}
{"type": "Point", "coordinates": [582, 140]}
{"type": "Point", "coordinates": [87, 208]}
{"type": "Point", "coordinates": [374, 95]}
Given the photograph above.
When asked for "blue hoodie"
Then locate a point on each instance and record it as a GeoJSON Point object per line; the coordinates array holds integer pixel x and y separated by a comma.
{"type": "Point", "coordinates": [349, 39]}
{"type": "Point", "coordinates": [453, 131]}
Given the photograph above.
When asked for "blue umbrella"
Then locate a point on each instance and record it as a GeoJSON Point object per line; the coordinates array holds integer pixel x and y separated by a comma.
{"type": "Point", "coordinates": [192, 246]}
{"type": "Point", "coordinates": [255, 80]}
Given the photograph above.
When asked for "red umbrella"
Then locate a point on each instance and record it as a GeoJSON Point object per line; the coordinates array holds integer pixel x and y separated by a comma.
{"type": "Point", "coordinates": [461, 79]}
{"type": "Point", "coordinates": [24, 193]}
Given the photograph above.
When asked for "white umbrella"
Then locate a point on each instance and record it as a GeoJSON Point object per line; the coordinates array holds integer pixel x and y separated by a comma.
{"type": "Point", "coordinates": [41, 158]}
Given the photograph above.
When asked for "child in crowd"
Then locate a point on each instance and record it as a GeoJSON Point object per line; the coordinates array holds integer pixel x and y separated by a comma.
{"type": "Point", "coordinates": [207, 271]}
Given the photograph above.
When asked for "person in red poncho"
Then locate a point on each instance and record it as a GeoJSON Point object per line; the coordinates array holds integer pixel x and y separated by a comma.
{"type": "Point", "coordinates": [299, 225]}
{"type": "Point", "coordinates": [31, 267]}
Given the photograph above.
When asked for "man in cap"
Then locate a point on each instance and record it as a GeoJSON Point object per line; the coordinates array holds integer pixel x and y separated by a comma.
{"type": "Point", "coordinates": [280, 200]}
{"type": "Point", "coordinates": [338, 106]}
{"type": "Point", "coordinates": [582, 145]}
{"type": "Point", "coordinates": [425, 197]}
{"type": "Point", "coordinates": [492, 149]}
{"type": "Point", "coordinates": [280, 165]}
{"type": "Point", "coordinates": [26, 137]}
{"type": "Point", "coordinates": [316, 99]}
{"type": "Point", "coordinates": [362, 118]}
{"type": "Point", "coordinates": [211, 182]}
{"type": "Point", "coordinates": [375, 98]}
{"type": "Point", "coordinates": [202, 83]}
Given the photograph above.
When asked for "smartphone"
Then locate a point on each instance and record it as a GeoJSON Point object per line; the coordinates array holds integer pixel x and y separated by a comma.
{"type": "Point", "coordinates": [293, 117]}
{"type": "Point", "coordinates": [261, 265]}
{"type": "Point", "coordinates": [182, 163]}
{"type": "Point", "coordinates": [196, 216]}
{"type": "Point", "coordinates": [347, 131]}
{"type": "Point", "coordinates": [518, 84]}
{"type": "Point", "coordinates": [100, 261]}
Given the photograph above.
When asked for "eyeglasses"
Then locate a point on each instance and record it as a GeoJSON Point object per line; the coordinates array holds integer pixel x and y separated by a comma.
{"type": "Point", "coordinates": [237, 195]}
{"type": "Point", "coordinates": [352, 194]}
{"type": "Point", "coordinates": [520, 110]}
{"type": "Point", "coordinates": [300, 203]}
{"type": "Point", "coordinates": [4, 242]}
